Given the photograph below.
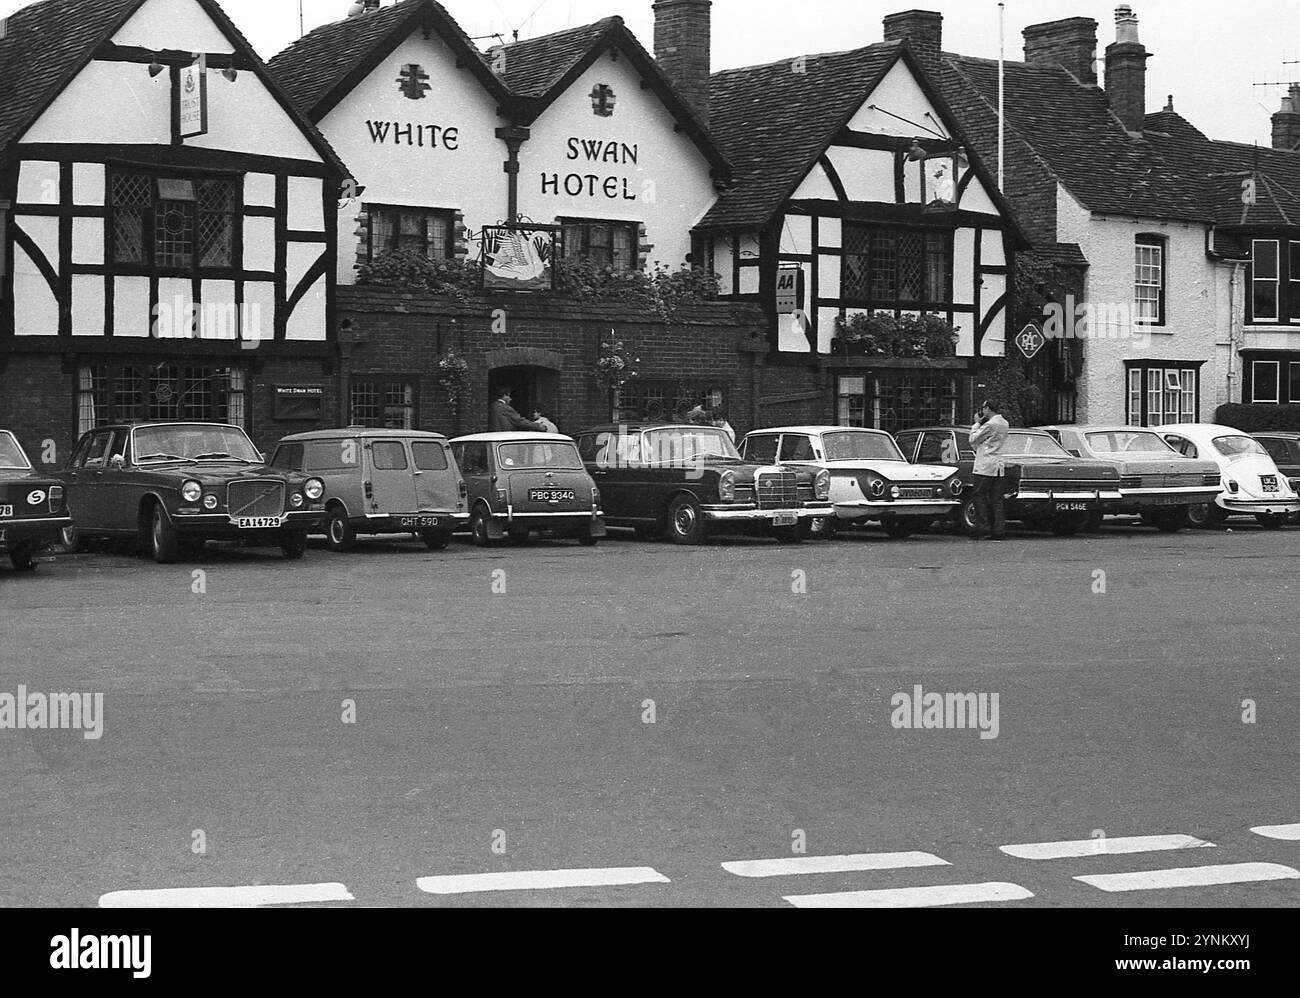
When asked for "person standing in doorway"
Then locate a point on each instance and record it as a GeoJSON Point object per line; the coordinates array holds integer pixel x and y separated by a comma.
{"type": "Point", "coordinates": [988, 436]}
{"type": "Point", "coordinates": [503, 417]}
{"type": "Point", "coordinates": [544, 421]}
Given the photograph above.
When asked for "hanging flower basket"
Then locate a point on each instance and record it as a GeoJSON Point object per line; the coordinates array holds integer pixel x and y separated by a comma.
{"type": "Point", "coordinates": [882, 334]}
{"type": "Point", "coordinates": [615, 366]}
{"type": "Point", "coordinates": [453, 376]}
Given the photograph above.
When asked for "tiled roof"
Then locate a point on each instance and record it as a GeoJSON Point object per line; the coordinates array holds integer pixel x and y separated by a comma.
{"type": "Point", "coordinates": [773, 122]}
{"type": "Point", "coordinates": [325, 57]}
{"type": "Point", "coordinates": [44, 45]}
{"type": "Point", "coordinates": [1061, 254]}
{"type": "Point", "coordinates": [1073, 133]}
{"type": "Point", "coordinates": [535, 65]}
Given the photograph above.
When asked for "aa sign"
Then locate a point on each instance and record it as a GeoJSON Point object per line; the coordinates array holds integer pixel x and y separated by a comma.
{"type": "Point", "coordinates": [192, 99]}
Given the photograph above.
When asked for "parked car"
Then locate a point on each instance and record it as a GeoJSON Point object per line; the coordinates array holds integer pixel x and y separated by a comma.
{"type": "Point", "coordinates": [1283, 447]}
{"type": "Point", "coordinates": [381, 482]}
{"type": "Point", "coordinates": [1252, 483]}
{"type": "Point", "coordinates": [1047, 489]}
{"type": "Point", "coordinates": [520, 482]}
{"type": "Point", "coordinates": [174, 486]}
{"type": "Point", "coordinates": [689, 482]}
{"type": "Point", "coordinates": [870, 478]}
{"type": "Point", "coordinates": [33, 510]}
{"type": "Point", "coordinates": [1155, 482]}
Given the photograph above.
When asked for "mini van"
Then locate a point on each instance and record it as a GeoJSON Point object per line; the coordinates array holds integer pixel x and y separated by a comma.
{"type": "Point", "coordinates": [381, 482]}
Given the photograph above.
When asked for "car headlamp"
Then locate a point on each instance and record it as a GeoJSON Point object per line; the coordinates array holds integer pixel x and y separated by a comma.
{"type": "Point", "coordinates": [314, 489]}
{"type": "Point", "coordinates": [210, 501]}
{"type": "Point", "coordinates": [191, 491]}
{"type": "Point", "coordinates": [822, 484]}
{"type": "Point", "coordinates": [894, 492]}
{"type": "Point", "coordinates": [727, 486]}
{"type": "Point", "coordinates": [296, 500]}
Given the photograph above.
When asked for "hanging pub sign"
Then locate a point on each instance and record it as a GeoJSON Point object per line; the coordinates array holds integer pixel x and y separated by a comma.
{"type": "Point", "coordinates": [191, 99]}
{"type": "Point", "coordinates": [519, 257]}
{"type": "Point", "coordinates": [789, 287]}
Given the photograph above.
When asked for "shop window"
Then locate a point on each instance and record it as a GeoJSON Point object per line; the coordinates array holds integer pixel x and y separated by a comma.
{"type": "Point", "coordinates": [173, 223]}
{"type": "Point", "coordinates": [655, 400]}
{"type": "Point", "coordinates": [426, 232]}
{"type": "Point", "coordinates": [1149, 280]}
{"type": "Point", "coordinates": [132, 393]}
{"type": "Point", "coordinates": [1162, 394]}
{"type": "Point", "coordinates": [383, 403]}
{"type": "Point", "coordinates": [1264, 280]}
{"type": "Point", "coordinates": [895, 268]}
{"type": "Point", "coordinates": [897, 400]}
{"type": "Point", "coordinates": [606, 244]}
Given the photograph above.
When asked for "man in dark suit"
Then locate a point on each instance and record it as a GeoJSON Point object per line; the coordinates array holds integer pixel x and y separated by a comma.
{"type": "Point", "coordinates": [504, 418]}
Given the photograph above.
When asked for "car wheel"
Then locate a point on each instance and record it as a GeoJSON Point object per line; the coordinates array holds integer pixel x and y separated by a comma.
{"type": "Point", "coordinates": [518, 534]}
{"type": "Point", "coordinates": [823, 528]}
{"type": "Point", "coordinates": [73, 540]}
{"type": "Point", "coordinates": [797, 534]}
{"type": "Point", "coordinates": [339, 533]}
{"type": "Point", "coordinates": [23, 559]}
{"type": "Point", "coordinates": [293, 545]}
{"type": "Point", "coordinates": [1271, 521]}
{"type": "Point", "coordinates": [964, 518]}
{"type": "Point", "coordinates": [164, 540]}
{"type": "Point", "coordinates": [685, 521]}
{"type": "Point", "coordinates": [897, 528]}
{"type": "Point", "coordinates": [478, 527]}
{"type": "Point", "coordinates": [1068, 524]}
{"type": "Point", "coordinates": [586, 538]}
{"type": "Point", "coordinates": [436, 540]}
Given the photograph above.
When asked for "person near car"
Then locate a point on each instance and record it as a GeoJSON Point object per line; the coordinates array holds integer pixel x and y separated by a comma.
{"type": "Point", "coordinates": [503, 417]}
{"type": "Point", "coordinates": [719, 419]}
{"type": "Point", "coordinates": [544, 421]}
{"type": "Point", "coordinates": [987, 436]}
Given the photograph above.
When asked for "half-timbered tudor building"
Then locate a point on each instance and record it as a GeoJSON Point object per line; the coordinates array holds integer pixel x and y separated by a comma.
{"type": "Point", "coordinates": [168, 224]}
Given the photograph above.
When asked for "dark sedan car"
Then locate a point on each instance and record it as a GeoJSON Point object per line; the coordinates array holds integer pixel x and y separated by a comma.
{"type": "Point", "coordinates": [32, 509]}
{"type": "Point", "coordinates": [1283, 447]}
{"type": "Point", "coordinates": [1047, 489]}
{"type": "Point", "coordinates": [174, 485]}
{"type": "Point", "coordinates": [689, 481]}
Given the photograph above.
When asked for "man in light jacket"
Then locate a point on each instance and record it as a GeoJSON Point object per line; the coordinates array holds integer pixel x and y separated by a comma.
{"type": "Point", "coordinates": [988, 436]}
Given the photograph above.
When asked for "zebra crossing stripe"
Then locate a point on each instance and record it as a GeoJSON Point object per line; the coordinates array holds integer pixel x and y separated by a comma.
{"type": "Point", "coordinates": [1190, 876]}
{"type": "Point", "coordinates": [798, 865]}
{"type": "Point", "coordinates": [1104, 846]}
{"type": "Point", "coordinates": [227, 897]}
{"type": "Point", "coordinates": [540, 880]}
{"type": "Point", "coordinates": [1288, 833]}
{"type": "Point", "coordinates": [914, 897]}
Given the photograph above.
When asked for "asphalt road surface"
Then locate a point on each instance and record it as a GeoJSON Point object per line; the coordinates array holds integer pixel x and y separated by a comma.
{"type": "Point", "coordinates": [404, 727]}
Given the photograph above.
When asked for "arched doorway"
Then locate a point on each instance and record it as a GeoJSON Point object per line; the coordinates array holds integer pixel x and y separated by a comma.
{"type": "Point", "coordinates": [534, 379]}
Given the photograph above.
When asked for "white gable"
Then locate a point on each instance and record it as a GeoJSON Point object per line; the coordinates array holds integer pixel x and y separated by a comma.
{"type": "Point", "coordinates": [173, 24]}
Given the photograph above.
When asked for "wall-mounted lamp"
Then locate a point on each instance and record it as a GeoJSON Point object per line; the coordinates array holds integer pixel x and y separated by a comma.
{"type": "Point", "coordinates": [230, 73]}
{"type": "Point", "coordinates": [155, 68]}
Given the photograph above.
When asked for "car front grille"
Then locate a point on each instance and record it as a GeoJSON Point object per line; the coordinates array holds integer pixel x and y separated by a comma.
{"type": "Point", "coordinates": [258, 498]}
{"type": "Point", "coordinates": [777, 490]}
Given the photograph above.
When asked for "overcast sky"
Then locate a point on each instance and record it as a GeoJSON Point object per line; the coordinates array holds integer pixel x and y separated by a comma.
{"type": "Point", "coordinates": [1207, 54]}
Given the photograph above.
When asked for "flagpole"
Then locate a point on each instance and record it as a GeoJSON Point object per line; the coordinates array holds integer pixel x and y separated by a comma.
{"type": "Point", "coordinates": [1001, 91]}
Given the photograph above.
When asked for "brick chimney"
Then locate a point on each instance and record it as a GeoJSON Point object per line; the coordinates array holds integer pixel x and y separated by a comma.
{"type": "Point", "coordinates": [682, 40]}
{"type": "Point", "coordinates": [1286, 122]}
{"type": "Point", "coordinates": [1070, 43]}
{"type": "Point", "coordinates": [923, 32]}
{"type": "Point", "coordinates": [1126, 70]}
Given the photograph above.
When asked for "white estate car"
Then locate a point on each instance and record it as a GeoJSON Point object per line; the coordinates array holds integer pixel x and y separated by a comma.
{"type": "Point", "coordinates": [870, 478]}
{"type": "Point", "coordinates": [1252, 485]}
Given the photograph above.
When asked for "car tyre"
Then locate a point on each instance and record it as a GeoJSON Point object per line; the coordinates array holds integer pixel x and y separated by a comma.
{"type": "Point", "coordinates": [586, 538]}
{"type": "Point", "coordinates": [478, 527]}
{"type": "Point", "coordinates": [797, 534]}
{"type": "Point", "coordinates": [897, 528]}
{"type": "Point", "coordinates": [1167, 521]}
{"type": "Point", "coordinates": [964, 517]}
{"type": "Point", "coordinates": [73, 540]}
{"type": "Point", "coordinates": [339, 532]}
{"type": "Point", "coordinates": [823, 528]}
{"type": "Point", "coordinates": [436, 540]}
{"type": "Point", "coordinates": [1271, 521]}
{"type": "Point", "coordinates": [164, 539]}
{"type": "Point", "coordinates": [23, 559]}
{"type": "Point", "coordinates": [1206, 515]}
{"type": "Point", "coordinates": [293, 545]}
{"type": "Point", "coordinates": [685, 521]}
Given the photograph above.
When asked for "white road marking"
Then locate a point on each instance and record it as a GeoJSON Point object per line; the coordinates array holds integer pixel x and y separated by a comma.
{"type": "Point", "coordinates": [1288, 833]}
{"type": "Point", "coordinates": [541, 880]}
{"type": "Point", "coordinates": [914, 897]}
{"type": "Point", "coordinates": [1190, 876]}
{"type": "Point", "coordinates": [1104, 847]}
{"type": "Point", "coordinates": [227, 897]}
{"type": "Point", "coordinates": [795, 865]}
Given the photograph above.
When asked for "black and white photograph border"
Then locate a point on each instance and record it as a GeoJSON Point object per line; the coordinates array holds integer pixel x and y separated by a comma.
{"type": "Point", "coordinates": [649, 454]}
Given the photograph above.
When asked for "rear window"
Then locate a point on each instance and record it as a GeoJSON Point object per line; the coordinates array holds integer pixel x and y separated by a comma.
{"type": "Point", "coordinates": [389, 455]}
{"type": "Point", "coordinates": [513, 457]}
{"type": "Point", "coordinates": [332, 455]}
{"type": "Point", "coordinates": [11, 455]}
{"type": "Point", "coordinates": [429, 455]}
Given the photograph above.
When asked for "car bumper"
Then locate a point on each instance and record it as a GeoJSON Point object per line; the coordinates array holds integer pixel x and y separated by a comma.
{"type": "Point", "coordinates": [405, 523]}
{"type": "Point", "coordinates": [1066, 495]}
{"type": "Point", "coordinates": [870, 509]}
{"type": "Point", "coordinates": [571, 520]}
{"type": "Point", "coordinates": [748, 512]}
{"type": "Point", "coordinates": [217, 525]}
{"type": "Point", "coordinates": [43, 530]}
{"type": "Point", "coordinates": [1167, 497]}
{"type": "Point", "coordinates": [1283, 507]}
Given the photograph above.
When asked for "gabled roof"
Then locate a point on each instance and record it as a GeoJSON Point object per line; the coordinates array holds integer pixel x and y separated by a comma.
{"type": "Point", "coordinates": [534, 66]}
{"type": "Point", "coordinates": [46, 44]}
{"type": "Point", "coordinates": [774, 123]}
{"type": "Point", "coordinates": [323, 66]}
